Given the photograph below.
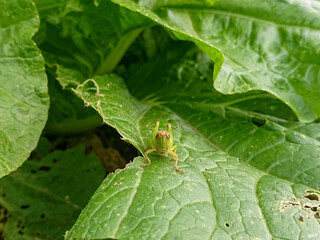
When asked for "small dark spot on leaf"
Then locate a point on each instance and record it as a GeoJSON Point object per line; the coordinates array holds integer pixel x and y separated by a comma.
{"type": "Point", "coordinates": [301, 218]}
{"type": "Point", "coordinates": [4, 194]}
{"type": "Point", "coordinates": [227, 224]}
{"type": "Point", "coordinates": [317, 215]}
{"type": "Point", "coordinates": [54, 160]}
{"type": "Point", "coordinates": [37, 234]}
{"type": "Point", "coordinates": [44, 168]}
{"type": "Point", "coordinates": [19, 223]}
{"type": "Point", "coordinates": [24, 206]}
{"type": "Point", "coordinates": [42, 216]}
{"type": "Point", "coordinates": [206, 169]}
{"type": "Point", "coordinates": [257, 121]}
{"type": "Point", "coordinates": [20, 232]}
{"type": "Point", "coordinates": [33, 171]}
{"type": "Point", "coordinates": [312, 196]}
{"type": "Point", "coordinates": [88, 170]}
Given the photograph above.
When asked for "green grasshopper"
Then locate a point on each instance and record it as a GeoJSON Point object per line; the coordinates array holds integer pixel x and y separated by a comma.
{"type": "Point", "coordinates": [162, 143]}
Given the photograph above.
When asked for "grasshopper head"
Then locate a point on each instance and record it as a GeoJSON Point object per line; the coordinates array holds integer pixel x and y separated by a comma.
{"type": "Point", "coordinates": [162, 134]}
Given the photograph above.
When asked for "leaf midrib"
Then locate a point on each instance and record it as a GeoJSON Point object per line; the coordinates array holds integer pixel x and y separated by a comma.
{"type": "Point", "coordinates": [52, 196]}
{"type": "Point", "coordinates": [237, 15]}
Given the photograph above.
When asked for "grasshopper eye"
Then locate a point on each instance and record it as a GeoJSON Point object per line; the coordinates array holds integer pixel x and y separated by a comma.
{"type": "Point", "coordinates": [157, 136]}
{"type": "Point", "coordinates": [167, 135]}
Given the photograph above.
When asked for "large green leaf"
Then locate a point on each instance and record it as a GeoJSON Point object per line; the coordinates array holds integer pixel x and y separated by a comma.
{"type": "Point", "coordinates": [44, 197]}
{"type": "Point", "coordinates": [23, 84]}
{"type": "Point", "coordinates": [247, 174]}
{"type": "Point", "coordinates": [263, 45]}
{"type": "Point", "coordinates": [86, 36]}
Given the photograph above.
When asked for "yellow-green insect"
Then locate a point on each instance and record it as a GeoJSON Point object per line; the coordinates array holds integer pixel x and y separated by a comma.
{"type": "Point", "coordinates": [162, 143]}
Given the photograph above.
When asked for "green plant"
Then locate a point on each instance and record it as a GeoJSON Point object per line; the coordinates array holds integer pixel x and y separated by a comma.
{"type": "Point", "coordinates": [249, 144]}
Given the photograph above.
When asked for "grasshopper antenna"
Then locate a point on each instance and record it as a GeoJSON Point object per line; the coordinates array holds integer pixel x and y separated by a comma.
{"type": "Point", "coordinates": [153, 127]}
{"type": "Point", "coordinates": [172, 128]}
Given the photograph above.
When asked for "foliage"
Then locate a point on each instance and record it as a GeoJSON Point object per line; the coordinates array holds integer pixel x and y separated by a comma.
{"type": "Point", "coordinates": [240, 80]}
{"type": "Point", "coordinates": [38, 200]}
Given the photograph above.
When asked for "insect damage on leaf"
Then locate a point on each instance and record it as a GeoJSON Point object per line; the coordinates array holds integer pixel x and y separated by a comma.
{"type": "Point", "coordinates": [162, 143]}
{"type": "Point", "coordinates": [309, 203]}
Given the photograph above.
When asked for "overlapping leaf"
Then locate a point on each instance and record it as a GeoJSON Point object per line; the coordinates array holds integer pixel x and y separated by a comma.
{"type": "Point", "coordinates": [88, 36]}
{"type": "Point", "coordinates": [23, 84]}
{"type": "Point", "coordinates": [43, 198]}
{"type": "Point", "coordinates": [246, 173]}
{"type": "Point", "coordinates": [256, 45]}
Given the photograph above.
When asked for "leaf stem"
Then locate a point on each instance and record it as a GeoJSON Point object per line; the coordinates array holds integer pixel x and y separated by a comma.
{"type": "Point", "coordinates": [117, 53]}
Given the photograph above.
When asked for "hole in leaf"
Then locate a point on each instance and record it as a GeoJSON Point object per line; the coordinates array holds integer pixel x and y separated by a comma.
{"type": "Point", "coordinates": [314, 209]}
{"type": "Point", "coordinates": [227, 224]}
{"type": "Point", "coordinates": [24, 206]}
{"type": "Point", "coordinates": [312, 196]}
{"type": "Point", "coordinates": [44, 168]}
{"type": "Point", "coordinates": [258, 122]}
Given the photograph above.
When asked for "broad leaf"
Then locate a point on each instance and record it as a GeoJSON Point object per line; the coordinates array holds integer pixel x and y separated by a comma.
{"type": "Point", "coordinates": [43, 198]}
{"type": "Point", "coordinates": [86, 36]}
{"type": "Point", "coordinates": [247, 174]}
{"type": "Point", "coordinates": [24, 98]}
{"type": "Point", "coordinates": [65, 115]}
{"type": "Point", "coordinates": [263, 45]}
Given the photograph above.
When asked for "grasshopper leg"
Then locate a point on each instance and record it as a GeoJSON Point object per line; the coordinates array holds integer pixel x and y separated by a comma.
{"type": "Point", "coordinates": [146, 155]}
{"type": "Point", "coordinates": [174, 148]}
{"type": "Point", "coordinates": [175, 158]}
